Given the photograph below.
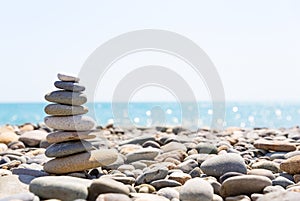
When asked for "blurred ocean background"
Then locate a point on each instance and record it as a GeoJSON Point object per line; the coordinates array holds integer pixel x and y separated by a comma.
{"type": "Point", "coordinates": [241, 114]}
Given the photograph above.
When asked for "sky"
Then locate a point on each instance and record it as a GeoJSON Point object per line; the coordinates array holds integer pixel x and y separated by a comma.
{"type": "Point", "coordinates": [254, 45]}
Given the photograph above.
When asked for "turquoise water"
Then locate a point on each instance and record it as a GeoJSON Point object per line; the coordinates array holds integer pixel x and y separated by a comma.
{"type": "Point", "coordinates": [241, 114]}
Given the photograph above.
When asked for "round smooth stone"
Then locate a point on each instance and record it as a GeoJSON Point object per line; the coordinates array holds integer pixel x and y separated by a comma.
{"type": "Point", "coordinates": [244, 185]}
{"type": "Point", "coordinates": [69, 86]}
{"type": "Point", "coordinates": [65, 110]}
{"type": "Point", "coordinates": [70, 123]}
{"type": "Point", "coordinates": [68, 148]}
{"type": "Point", "coordinates": [67, 78]}
{"type": "Point", "coordinates": [33, 138]}
{"type": "Point", "coordinates": [196, 190]}
{"type": "Point", "coordinates": [291, 165]}
{"type": "Point", "coordinates": [221, 164]}
{"type": "Point", "coordinates": [80, 162]}
{"type": "Point", "coordinates": [63, 136]}
{"type": "Point", "coordinates": [66, 97]}
{"type": "Point", "coordinates": [60, 187]}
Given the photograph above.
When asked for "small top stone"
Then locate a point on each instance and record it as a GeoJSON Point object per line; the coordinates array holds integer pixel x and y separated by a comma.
{"type": "Point", "coordinates": [67, 78]}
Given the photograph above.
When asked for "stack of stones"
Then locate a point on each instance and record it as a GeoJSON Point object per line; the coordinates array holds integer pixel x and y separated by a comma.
{"type": "Point", "coordinates": [70, 147]}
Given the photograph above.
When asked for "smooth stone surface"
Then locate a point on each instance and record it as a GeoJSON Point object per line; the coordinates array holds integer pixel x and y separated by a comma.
{"type": "Point", "coordinates": [228, 175]}
{"type": "Point", "coordinates": [206, 148]}
{"type": "Point", "coordinates": [274, 146]}
{"type": "Point", "coordinates": [66, 97]}
{"type": "Point", "coordinates": [262, 172]}
{"type": "Point", "coordinates": [244, 185]}
{"type": "Point", "coordinates": [65, 110]}
{"type": "Point", "coordinates": [113, 197]}
{"type": "Point", "coordinates": [291, 154]}
{"type": "Point", "coordinates": [67, 78]}
{"type": "Point", "coordinates": [173, 146]}
{"type": "Point", "coordinates": [162, 183]}
{"type": "Point", "coordinates": [80, 162]}
{"type": "Point", "coordinates": [20, 197]}
{"type": "Point", "coordinates": [31, 172]}
{"type": "Point", "coordinates": [69, 86]}
{"type": "Point", "coordinates": [106, 185]}
{"type": "Point", "coordinates": [180, 177]}
{"type": "Point", "coordinates": [187, 165]}
{"type": "Point", "coordinates": [70, 123]}
{"type": "Point", "coordinates": [33, 138]}
{"type": "Point", "coordinates": [63, 136]}
{"type": "Point", "coordinates": [8, 137]}
{"type": "Point", "coordinates": [220, 164]}
{"type": "Point", "coordinates": [282, 181]}
{"type": "Point", "coordinates": [147, 197]}
{"type": "Point", "coordinates": [68, 148]}
{"type": "Point", "coordinates": [270, 189]}
{"type": "Point", "coordinates": [291, 165]}
{"type": "Point", "coordinates": [142, 154]}
{"type": "Point", "coordinates": [152, 175]}
{"type": "Point", "coordinates": [10, 185]}
{"type": "Point", "coordinates": [60, 187]}
{"type": "Point", "coordinates": [196, 189]}
{"type": "Point", "coordinates": [280, 196]}
{"type": "Point", "coordinates": [169, 193]}
{"type": "Point", "coordinates": [268, 165]}
{"type": "Point", "coordinates": [238, 198]}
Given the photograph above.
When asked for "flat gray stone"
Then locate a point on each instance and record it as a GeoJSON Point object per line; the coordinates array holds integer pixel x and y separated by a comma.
{"type": "Point", "coordinates": [69, 86]}
{"type": "Point", "coordinates": [68, 148]}
{"type": "Point", "coordinates": [142, 154]}
{"type": "Point", "coordinates": [221, 164]}
{"type": "Point", "coordinates": [80, 162]}
{"type": "Point", "coordinates": [63, 136]}
{"type": "Point", "coordinates": [66, 97]}
{"type": "Point", "coordinates": [67, 78]}
{"type": "Point", "coordinates": [106, 185]}
{"type": "Point", "coordinates": [60, 187]}
{"type": "Point", "coordinates": [153, 174]}
{"type": "Point", "coordinates": [244, 185]}
{"type": "Point", "coordinates": [163, 183]}
{"type": "Point", "coordinates": [65, 110]}
{"type": "Point", "coordinates": [196, 190]}
{"type": "Point", "coordinates": [70, 123]}
{"type": "Point", "coordinates": [33, 138]}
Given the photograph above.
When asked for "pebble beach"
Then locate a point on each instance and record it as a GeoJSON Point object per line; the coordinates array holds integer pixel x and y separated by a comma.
{"type": "Point", "coordinates": [69, 157]}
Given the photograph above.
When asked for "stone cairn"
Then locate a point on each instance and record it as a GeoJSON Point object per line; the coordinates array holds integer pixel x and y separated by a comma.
{"type": "Point", "coordinates": [70, 147]}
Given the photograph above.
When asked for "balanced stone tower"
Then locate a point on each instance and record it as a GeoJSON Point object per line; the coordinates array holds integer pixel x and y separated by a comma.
{"type": "Point", "coordinates": [70, 147]}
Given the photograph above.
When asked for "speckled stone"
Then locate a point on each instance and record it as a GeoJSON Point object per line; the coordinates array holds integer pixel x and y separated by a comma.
{"type": "Point", "coordinates": [70, 123]}
{"type": "Point", "coordinates": [69, 86]}
{"type": "Point", "coordinates": [67, 78]}
{"type": "Point", "coordinates": [68, 148]}
{"type": "Point", "coordinates": [65, 110]}
{"type": "Point", "coordinates": [62, 136]}
{"type": "Point", "coordinates": [291, 165]}
{"type": "Point", "coordinates": [66, 97]}
{"type": "Point", "coordinates": [80, 162]}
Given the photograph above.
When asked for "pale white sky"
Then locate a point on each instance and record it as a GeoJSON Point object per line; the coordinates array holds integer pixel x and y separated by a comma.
{"type": "Point", "coordinates": [255, 45]}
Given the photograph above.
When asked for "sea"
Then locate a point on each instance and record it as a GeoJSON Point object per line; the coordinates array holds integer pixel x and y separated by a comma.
{"type": "Point", "coordinates": [147, 114]}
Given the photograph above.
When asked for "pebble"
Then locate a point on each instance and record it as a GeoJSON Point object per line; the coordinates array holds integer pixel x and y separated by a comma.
{"type": "Point", "coordinates": [196, 189]}
{"type": "Point", "coordinates": [169, 193]}
{"type": "Point", "coordinates": [66, 97]}
{"type": "Point", "coordinates": [65, 110]}
{"type": "Point", "coordinates": [8, 137]}
{"type": "Point", "coordinates": [69, 86]}
{"type": "Point", "coordinates": [172, 146]}
{"type": "Point", "coordinates": [262, 172]}
{"type": "Point", "coordinates": [10, 185]}
{"type": "Point", "coordinates": [162, 183]}
{"type": "Point", "coordinates": [106, 185]}
{"type": "Point", "coordinates": [268, 165]}
{"type": "Point", "coordinates": [60, 187]}
{"type": "Point", "coordinates": [270, 189]}
{"type": "Point", "coordinates": [70, 123]}
{"type": "Point", "coordinates": [180, 177]}
{"type": "Point", "coordinates": [142, 154]}
{"type": "Point", "coordinates": [68, 148]}
{"type": "Point", "coordinates": [67, 78]}
{"type": "Point", "coordinates": [282, 181]}
{"type": "Point", "coordinates": [3, 147]}
{"type": "Point", "coordinates": [113, 197]}
{"type": "Point", "coordinates": [280, 196]}
{"type": "Point", "coordinates": [152, 175]}
{"type": "Point", "coordinates": [246, 184]}
{"type": "Point", "coordinates": [238, 198]}
{"type": "Point", "coordinates": [33, 138]}
{"type": "Point", "coordinates": [291, 165]}
{"type": "Point", "coordinates": [274, 146]}
{"type": "Point", "coordinates": [219, 165]}
{"type": "Point", "coordinates": [80, 162]}
{"type": "Point", "coordinates": [206, 148]}
{"type": "Point", "coordinates": [62, 136]}
{"type": "Point", "coordinates": [187, 165]}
